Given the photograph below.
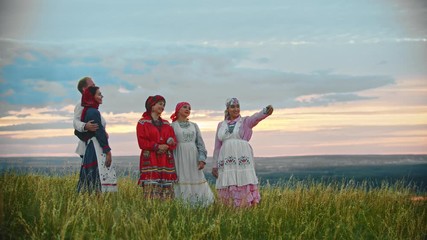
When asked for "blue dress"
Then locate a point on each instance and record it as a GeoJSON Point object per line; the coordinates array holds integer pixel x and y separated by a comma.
{"type": "Point", "coordinates": [94, 176]}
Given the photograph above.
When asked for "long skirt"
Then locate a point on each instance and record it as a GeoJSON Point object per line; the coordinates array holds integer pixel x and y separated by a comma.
{"type": "Point", "coordinates": [94, 175]}
{"type": "Point", "coordinates": [192, 186]}
{"type": "Point", "coordinates": [243, 196]}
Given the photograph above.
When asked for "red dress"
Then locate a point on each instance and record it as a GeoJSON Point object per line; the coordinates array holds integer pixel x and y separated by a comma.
{"type": "Point", "coordinates": [155, 168]}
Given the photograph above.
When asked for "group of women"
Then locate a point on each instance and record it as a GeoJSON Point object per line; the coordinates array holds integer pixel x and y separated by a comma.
{"type": "Point", "coordinates": [173, 155]}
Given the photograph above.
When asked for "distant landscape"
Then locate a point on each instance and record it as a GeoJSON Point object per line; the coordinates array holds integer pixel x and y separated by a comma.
{"type": "Point", "coordinates": [410, 169]}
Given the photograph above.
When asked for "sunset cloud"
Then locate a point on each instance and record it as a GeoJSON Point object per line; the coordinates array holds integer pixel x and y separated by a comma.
{"type": "Point", "coordinates": [344, 77]}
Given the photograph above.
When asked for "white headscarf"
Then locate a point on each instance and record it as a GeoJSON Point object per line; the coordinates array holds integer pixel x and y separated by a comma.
{"type": "Point", "coordinates": [228, 103]}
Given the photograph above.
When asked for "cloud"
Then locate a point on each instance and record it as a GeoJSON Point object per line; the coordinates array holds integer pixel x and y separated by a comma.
{"type": "Point", "coordinates": [7, 93]}
{"type": "Point", "coordinates": [327, 99]}
{"type": "Point", "coordinates": [36, 133]}
{"type": "Point", "coordinates": [204, 76]}
{"type": "Point", "coordinates": [49, 88]}
{"type": "Point", "coordinates": [411, 15]}
{"type": "Point", "coordinates": [123, 90]}
{"type": "Point", "coordinates": [17, 18]}
{"type": "Point", "coordinates": [273, 52]}
{"type": "Point", "coordinates": [349, 128]}
{"type": "Point", "coordinates": [34, 116]}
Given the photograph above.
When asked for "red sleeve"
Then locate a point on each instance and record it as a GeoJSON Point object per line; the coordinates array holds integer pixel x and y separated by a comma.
{"type": "Point", "coordinates": [143, 135]}
{"type": "Point", "coordinates": [169, 133]}
{"type": "Point", "coordinates": [172, 135]}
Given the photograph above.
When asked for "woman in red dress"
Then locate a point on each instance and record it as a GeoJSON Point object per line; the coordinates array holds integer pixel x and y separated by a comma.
{"type": "Point", "coordinates": [157, 141]}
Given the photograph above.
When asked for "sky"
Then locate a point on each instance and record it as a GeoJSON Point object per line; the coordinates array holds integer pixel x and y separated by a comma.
{"type": "Point", "coordinates": [344, 77]}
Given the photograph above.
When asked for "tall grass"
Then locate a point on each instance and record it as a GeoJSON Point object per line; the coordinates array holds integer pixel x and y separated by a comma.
{"type": "Point", "coordinates": [48, 207]}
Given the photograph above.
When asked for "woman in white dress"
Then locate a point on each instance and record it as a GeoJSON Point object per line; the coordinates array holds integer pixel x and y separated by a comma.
{"type": "Point", "coordinates": [234, 166]}
{"type": "Point", "coordinates": [190, 159]}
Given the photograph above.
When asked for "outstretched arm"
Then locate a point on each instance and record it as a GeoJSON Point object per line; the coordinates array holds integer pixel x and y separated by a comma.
{"type": "Point", "coordinates": [253, 120]}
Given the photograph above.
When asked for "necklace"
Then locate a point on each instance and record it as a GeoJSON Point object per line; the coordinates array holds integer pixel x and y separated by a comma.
{"type": "Point", "coordinates": [231, 127]}
{"type": "Point", "coordinates": [185, 124]}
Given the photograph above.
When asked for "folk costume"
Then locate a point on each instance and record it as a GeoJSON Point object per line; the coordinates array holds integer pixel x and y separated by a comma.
{"type": "Point", "coordinates": [237, 182]}
{"type": "Point", "coordinates": [94, 175]}
{"type": "Point", "coordinates": [80, 127]}
{"type": "Point", "coordinates": [192, 186]}
{"type": "Point", "coordinates": [157, 170]}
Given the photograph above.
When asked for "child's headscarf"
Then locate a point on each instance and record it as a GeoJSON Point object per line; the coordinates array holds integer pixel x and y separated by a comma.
{"type": "Point", "coordinates": [88, 100]}
{"type": "Point", "coordinates": [174, 115]}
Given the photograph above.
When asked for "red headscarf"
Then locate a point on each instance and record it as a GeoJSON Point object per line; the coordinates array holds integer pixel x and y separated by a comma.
{"type": "Point", "coordinates": [88, 100]}
{"type": "Point", "coordinates": [174, 116]}
{"type": "Point", "coordinates": [150, 102]}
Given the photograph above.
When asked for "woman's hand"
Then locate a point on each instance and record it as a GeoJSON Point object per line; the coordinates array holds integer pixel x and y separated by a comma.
{"type": "Point", "coordinates": [171, 142]}
{"type": "Point", "coordinates": [201, 165]}
{"type": "Point", "coordinates": [269, 110]}
{"type": "Point", "coordinates": [91, 126]}
{"type": "Point", "coordinates": [215, 172]}
{"type": "Point", "coordinates": [163, 148]}
{"type": "Point", "coordinates": [108, 159]}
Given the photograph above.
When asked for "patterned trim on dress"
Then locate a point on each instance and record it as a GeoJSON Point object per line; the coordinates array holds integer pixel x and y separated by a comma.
{"type": "Point", "coordinates": [230, 160]}
{"type": "Point", "coordinates": [185, 124]}
{"type": "Point", "coordinates": [142, 121]}
{"type": "Point", "coordinates": [89, 165]}
{"type": "Point", "coordinates": [158, 183]}
{"type": "Point", "coordinates": [156, 169]}
{"type": "Point", "coordinates": [190, 183]}
{"type": "Point", "coordinates": [188, 136]}
{"type": "Point", "coordinates": [230, 127]}
{"type": "Point", "coordinates": [146, 153]}
{"type": "Point", "coordinates": [244, 160]}
{"type": "Point", "coordinates": [221, 164]}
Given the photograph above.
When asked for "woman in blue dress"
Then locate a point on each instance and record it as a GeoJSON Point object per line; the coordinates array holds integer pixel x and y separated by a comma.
{"type": "Point", "coordinates": [97, 173]}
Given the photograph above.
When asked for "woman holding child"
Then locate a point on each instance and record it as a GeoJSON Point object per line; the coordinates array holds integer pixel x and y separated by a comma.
{"type": "Point", "coordinates": [97, 173]}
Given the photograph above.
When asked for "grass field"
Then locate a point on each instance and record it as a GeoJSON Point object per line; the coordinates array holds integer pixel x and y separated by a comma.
{"type": "Point", "coordinates": [47, 207]}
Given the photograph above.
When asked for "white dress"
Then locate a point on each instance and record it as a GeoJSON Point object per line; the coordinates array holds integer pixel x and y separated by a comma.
{"type": "Point", "coordinates": [235, 159]}
{"type": "Point", "coordinates": [107, 175]}
{"type": "Point", "coordinates": [192, 186]}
